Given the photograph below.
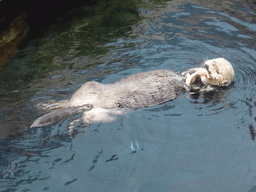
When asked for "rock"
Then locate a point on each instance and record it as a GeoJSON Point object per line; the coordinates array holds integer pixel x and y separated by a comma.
{"type": "Point", "coordinates": [11, 36]}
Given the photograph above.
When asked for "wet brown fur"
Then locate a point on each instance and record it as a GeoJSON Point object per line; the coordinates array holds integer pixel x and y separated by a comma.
{"type": "Point", "coordinates": [103, 102]}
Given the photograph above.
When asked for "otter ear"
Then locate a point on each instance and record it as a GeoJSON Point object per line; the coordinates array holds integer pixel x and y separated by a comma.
{"type": "Point", "coordinates": [216, 68]}
{"type": "Point", "coordinates": [207, 67]}
{"type": "Point", "coordinates": [212, 68]}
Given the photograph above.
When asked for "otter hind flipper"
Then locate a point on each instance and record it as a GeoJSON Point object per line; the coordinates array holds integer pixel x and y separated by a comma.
{"type": "Point", "coordinates": [53, 105]}
{"type": "Point", "coordinates": [58, 115]}
{"type": "Point", "coordinates": [81, 122]}
{"type": "Point", "coordinates": [96, 115]}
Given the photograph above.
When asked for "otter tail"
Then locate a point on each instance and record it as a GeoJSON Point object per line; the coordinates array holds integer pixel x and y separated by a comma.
{"type": "Point", "coordinates": [60, 114]}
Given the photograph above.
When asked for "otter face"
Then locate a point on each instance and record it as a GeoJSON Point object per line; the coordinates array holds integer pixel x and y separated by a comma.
{"type": "Point", "coordinates": [218, 72]}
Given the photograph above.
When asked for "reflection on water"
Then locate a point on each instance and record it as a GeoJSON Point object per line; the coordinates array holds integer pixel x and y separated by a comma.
{"type": "Point", "coordinates": [194, 143]}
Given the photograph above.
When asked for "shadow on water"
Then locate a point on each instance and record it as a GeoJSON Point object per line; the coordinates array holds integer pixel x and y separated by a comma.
{"type": "Point", "coordinates": [193, 143]}
{"type": "Point", "coordinates": [81, 30]}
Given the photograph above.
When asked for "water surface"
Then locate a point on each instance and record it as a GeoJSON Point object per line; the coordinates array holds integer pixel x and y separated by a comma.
{"type": "Point", "coordinates": [193, 143]}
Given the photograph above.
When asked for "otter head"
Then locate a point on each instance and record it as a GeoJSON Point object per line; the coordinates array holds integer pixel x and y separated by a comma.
{"type": "Point", "coordinates": [221, 72]}
{"type": "Point", "coordinates": [217, 72]}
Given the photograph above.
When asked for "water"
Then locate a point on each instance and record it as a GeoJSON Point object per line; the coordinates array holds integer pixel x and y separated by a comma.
{"type": "Point", "coordinates": [192, 143]}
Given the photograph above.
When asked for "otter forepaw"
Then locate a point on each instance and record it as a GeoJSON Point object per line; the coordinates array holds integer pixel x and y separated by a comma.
{"type": "Point", "coordinates": [190, 79]}
{"type": "Point", "coordinates": [191, 75]}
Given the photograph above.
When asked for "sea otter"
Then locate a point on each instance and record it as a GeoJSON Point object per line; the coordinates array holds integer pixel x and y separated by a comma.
{"type": "Point", "coordinates": [103, 102]}
{"type": "Point", "coordinates": [217, 72]}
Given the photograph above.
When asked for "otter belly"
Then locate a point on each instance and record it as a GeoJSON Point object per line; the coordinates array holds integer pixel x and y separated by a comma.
{"type": "Point", "coordinates": [136, 91]}
{"type": "Point", "coordinates": [148, 88]}
{"type": "Point", "coordinates": [106, 100]}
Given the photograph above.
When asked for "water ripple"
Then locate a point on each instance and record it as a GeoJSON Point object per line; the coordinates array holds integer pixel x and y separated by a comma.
{"type": "Point", "coordinates": [201, 135]}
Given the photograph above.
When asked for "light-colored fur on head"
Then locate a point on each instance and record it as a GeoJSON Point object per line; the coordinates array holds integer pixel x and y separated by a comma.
{"type": "Point", "coordinates": [218, 72]}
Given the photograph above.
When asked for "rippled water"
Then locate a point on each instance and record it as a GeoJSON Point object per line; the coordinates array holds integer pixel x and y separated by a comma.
{"type": "Point", "coordinates": [194, 143]}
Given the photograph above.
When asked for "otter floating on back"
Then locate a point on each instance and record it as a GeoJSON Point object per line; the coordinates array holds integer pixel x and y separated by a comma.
{"type": "Point", "coordinates": [103, 102]}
